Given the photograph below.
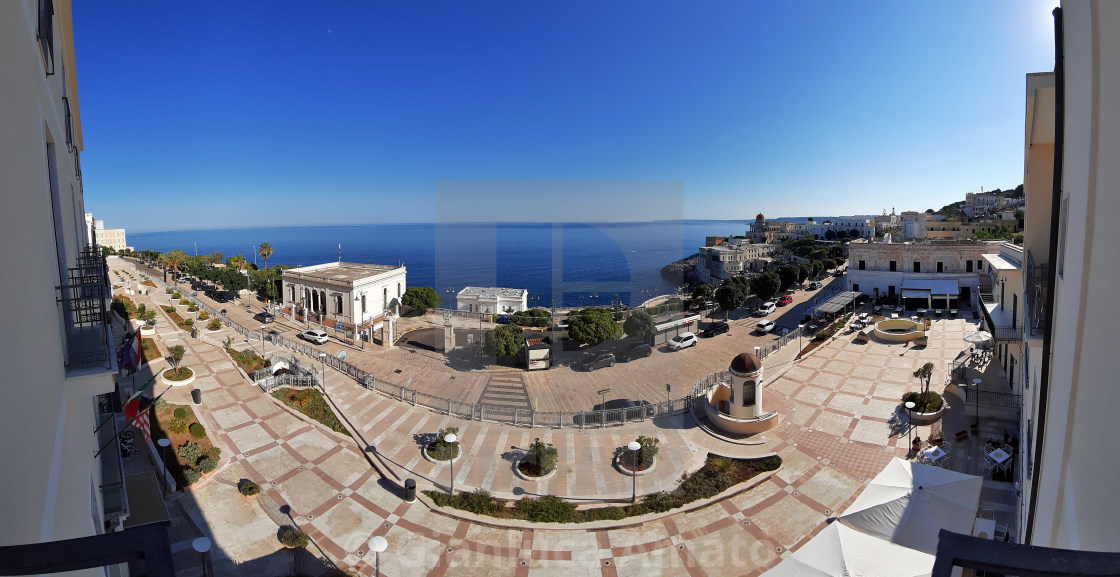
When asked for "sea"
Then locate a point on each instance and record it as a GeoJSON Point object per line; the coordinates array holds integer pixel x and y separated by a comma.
{"type": "Point", "coordinates": [561, 264]}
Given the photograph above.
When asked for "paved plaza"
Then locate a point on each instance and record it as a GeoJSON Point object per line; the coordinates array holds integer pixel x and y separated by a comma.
{"type": "Point", "coordinates": [836, 434]}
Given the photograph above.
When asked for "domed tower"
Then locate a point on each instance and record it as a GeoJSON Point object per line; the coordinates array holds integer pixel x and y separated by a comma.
{"type": "Point", "coordinates": [759, 219]}
{"type": "Point", "coordinates": [746, 387]}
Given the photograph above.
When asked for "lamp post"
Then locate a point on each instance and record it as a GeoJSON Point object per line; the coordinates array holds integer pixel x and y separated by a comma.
{"type": "Point", "coordinates": [202, 545]}
{"type": "Point", "coordinates": [323, 364]}
{"type": "Point", "coordinates": [264, 347]}
{"type": "Point", "coordinates": [593, 296]}
{"type": "Point", "coordinates": [634, 446]}
{"type": "Point", "coordinates": [378, 545]}
{"type": "Point", "coordinates": [450, 439]}
{"type": "Point", "coordinates": [450, 295]}
{"type": "Point", "coordinates": [800, 332]}
{"type": "Point", "coordinates": [163, 444]}
{"type": "Point", "coordinates": [910, 424]}
{"type": "Point", "coordinates": [360, 331]}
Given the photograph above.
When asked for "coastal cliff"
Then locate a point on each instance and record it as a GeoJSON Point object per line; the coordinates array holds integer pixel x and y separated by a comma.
{"type": "Point", "coordinates": [678, 272]}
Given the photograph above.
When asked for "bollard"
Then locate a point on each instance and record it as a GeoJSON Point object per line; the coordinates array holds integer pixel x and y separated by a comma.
{"type": "Point", "coordinates": [196, 396]}
{"type": "Point", "coordinates": [409, 490]}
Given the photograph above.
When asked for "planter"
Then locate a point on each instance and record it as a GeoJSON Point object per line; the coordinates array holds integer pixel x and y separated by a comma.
{"type": "Point", "coordinates": [430, 459]}
{"type": "Point", "coordinates": [927, 418]}
{"type": "Point", "coordinates": [186, 381]}
{"type": "Point", "coordinates": [618, 466]}
{"type": "Point", "coordinates": [525, 477]}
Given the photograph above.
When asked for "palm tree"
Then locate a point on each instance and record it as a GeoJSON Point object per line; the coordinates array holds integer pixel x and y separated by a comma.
{"type": "Point", "coordinates": [238, 262]}
{"type": "Point", "coordinates": [173, 259]}
{"type": "Point", "coordinates": [265, 250]}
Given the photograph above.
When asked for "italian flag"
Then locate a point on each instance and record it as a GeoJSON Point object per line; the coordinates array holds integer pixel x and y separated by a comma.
{"type": "Point", "coordinates": [132, 406]}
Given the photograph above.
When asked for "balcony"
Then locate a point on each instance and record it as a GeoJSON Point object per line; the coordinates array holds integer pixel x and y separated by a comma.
{"type": "Point", "coordinates": [997, 557]}
{"type": "Point", "coordinates": [114, 498]}
{"type": "Point", "coordinates": [85, 304]}
{"type": "Point", "coordinates": [1037, 276]}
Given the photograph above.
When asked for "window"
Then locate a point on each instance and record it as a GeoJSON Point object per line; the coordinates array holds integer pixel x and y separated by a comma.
{"type": "Point", "coordinates": [748, 393]}
{"type": "Point", "coordinates": [855, 287]}
{"type": "Point", "coordinates": [398, 290]}
{"type": "Point", "coordinates": [968, 266]}
{"type": "Point", "coordinates": [384, 298]}
{"type": "Point", "coordinates": [1062, 237]}
{"type": "Point", "coordinates": [338, 304]}
{"type": "Point", "coordinates": [890, 291]}
{"type": "Point", "coordinates": [940, 267]}
{"type": "Point", "coordinates": [363, 303]}
{"type": "Point", "coordinates": [861, 265]}
{"type": "Point", "coordinates": [894, 266]}
{"type": "Point", "coordinates": [46, 34]}
{"type": "Point", "coordinates": [917, 266]}
{"type": "Point", "coordinates": [979, 265]}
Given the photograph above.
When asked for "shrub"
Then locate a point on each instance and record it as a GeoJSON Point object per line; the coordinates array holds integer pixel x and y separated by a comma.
{"type": "Point", "coordinates": [191, 476]}
{"type": "Point", "coordinates": [189, 451]}
{"type": "Point", "coordinates": [248, 488]}
{"type": "Point", "coordinates": [547, 509]}
{"type": "Point", "coordinates": [192, 308]}
{"type": "Point", "coordinates": [184, 301]}
{"type": "Point", "coordinates": [645, 454]}
{"type": "Point", "coordinates": [770, 463]}
{"type": "Point", "coordinates": [142, 312]}
{"type": "Point", "coordinates": [924, 402]}
{"type": "Point", "coordinates": [189, 322]}
{"type": "Point", "coordinates": [167, 308]}
{"type": "Point", "coordinates": [178, 426]}
{"type": "Point", "coordinates": [660, 502]}
{"type": "Point", "coordinates": [168, 291]}
{"type": "Point", "coordinates": [439, 449]}
{"type": "Point", "coordinates": [180, 413]}
{"type": "Point", "coordinates": [293, 538]}
{"type": "Point", "coordinates": [541, 459]}
{"type": "Point", "coordinates": [206, 464]}
{"type": "Point", "coordinates": [197, 430]}
{"type": "Point", "coordinates": [203, 315]}
{"type": "Point", "coordinates": [215, 324]}
{"type": "Point", "coordinates": [605, 514]}
{"type": "Point", "coordinates": [479, 501]}
{"type": "Point", "coordinates": [177, 295]}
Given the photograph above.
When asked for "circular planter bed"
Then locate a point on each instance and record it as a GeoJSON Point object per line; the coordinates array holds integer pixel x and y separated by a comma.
{"type": "Point", "coordinates": [186, 380]}
{"type": "Point", "coordinates": [926, 418]}
{"type": "Point", "coordinates": [526, 474]}
{"type": "Point", "coordinates": [431, 459]}
{"type": "Point", "coordinates": [625, 471]}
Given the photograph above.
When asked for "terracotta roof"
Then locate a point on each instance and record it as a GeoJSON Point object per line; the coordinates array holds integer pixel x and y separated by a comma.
{"type": "Point", "coordinates": [746, 363]}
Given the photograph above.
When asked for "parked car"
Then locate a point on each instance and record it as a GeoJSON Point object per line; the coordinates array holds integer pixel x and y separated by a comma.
{"type": "Point", "coordinates": [766, 308]}
{"type": "Point", "coordinates": [765, 326]}
{"type": "Point", "coordinates": [638, 351]}
{"type": "Point", "coordinates": [315, 335]}
{"type": "Point", "coordinates": [838, 273]}
{"type": "Point", "coordinates": [681, 341]}
{"type": "Point", "coordinates": [814, 285]}
{"type": "Point", "coordinates": [717, 328]}
{"type": "Point", "coordinates": [785, 300]}
{"type": "Point", "coordinates": [597, 362]}
{"type": "Point", "coordinates": [265, 317]}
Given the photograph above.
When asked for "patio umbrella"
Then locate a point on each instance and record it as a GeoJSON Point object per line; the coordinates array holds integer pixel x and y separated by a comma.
{"type": "Point", "coordinates": [839, 550]}
{"type": "Point", "coordinates": [908, 503]}
{"type": "Point", "coordinates": [978, 338]}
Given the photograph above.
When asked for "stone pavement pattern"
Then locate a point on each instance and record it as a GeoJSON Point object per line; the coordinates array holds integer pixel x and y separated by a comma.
{"type": "Point", "coordinates": [834, 438]}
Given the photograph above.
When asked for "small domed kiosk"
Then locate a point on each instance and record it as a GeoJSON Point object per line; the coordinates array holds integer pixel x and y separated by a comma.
{"type": "Point", "coordinates": [736, 407]}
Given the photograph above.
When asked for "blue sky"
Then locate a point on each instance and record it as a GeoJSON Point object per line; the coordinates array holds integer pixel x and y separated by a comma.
{"type": "Point", "coordinates": [214, 115]}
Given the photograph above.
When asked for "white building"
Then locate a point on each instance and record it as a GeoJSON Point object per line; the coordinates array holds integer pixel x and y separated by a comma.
{"type": "Point", "coordinates": [492, 300]}
{"type": "Point", "coordinates": [58, 354]}
{"type": "Point", "coordinates": [113, 238]}
{"type": "Point", "coordinates": [731, 258]}
{"type": "Point", "coordinates": [943, 274]}
{"type": "Point", "coordinates": [913, 225]}
{"type": "Point", "coordinates": [357, 299]}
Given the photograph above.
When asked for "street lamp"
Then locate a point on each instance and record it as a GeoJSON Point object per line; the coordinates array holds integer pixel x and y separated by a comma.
{"type": "Point", "coordinates": [378, 545]}
{"type": "Point", "coordinates": [910, 423]}
{"type": "Point", "coordinates": [593, 296]}
{"type": "Point", "coordinates": [450, 439]}
{"type": "Point", "coordinates": [800, 332]}
{"type": "Point", "coordinates": [202, 545]}
{"type": "Point", "coordinates": [164, 443]}
{"type": "Point", "coordinates": [450, 295]}
{"type": "Point", "coordinates": [264, 347]}
{"type": "Point", "coordinates": [360, 331]}
{"type": "Point", "coordinates": [634, 446]}
{"type": "Point", "coordinates": [323, 363]}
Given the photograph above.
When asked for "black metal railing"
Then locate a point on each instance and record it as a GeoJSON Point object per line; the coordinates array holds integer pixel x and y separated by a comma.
{"type": "Point", "coordinates": [990, 398]}
{"type": "Point", "coordinates": [1001, 558]}
{"type": "Point", "coordinates": [46, 33]}
{"type": "Point", "coordinates": [85, 302]}
{"type": "Point", "coordinates": [1036, 275]}
{"type": "Point", "coordinates": [1012, 334]}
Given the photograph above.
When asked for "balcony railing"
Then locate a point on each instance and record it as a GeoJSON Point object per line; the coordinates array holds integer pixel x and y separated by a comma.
{"type": "Point", "coordinates": [1036, 279]}
{"type": "Point", "coordinates": [113, 496]}
{"type": "Point", "coordinates": [84, 299]}
{"type": "Point", "coordinates": [998, 557]}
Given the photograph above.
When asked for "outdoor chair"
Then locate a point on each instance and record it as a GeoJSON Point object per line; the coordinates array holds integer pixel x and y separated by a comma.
{"type": "Point", "coordinates": [1001, 532]}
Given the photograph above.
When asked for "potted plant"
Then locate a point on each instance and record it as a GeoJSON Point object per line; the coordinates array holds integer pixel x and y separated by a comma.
{"type": "Point", "coordinates": [539, 461]}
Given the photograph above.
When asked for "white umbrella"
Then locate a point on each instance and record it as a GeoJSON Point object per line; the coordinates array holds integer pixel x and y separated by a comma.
{"type": "Point", "coordinates": [908, 503]}
{"type": "Point", "coordinates": [839, 550]}
{"type": "Point", "coordinates": [978, 337]}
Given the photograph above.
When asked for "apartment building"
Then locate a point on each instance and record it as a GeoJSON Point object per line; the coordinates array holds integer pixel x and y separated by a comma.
{"type": "Point", "coordinates": [918, 274]}
{"type": "Point", "coordinates": [62, 476]}
{"type": "Point", "coordinates": [113, 238]}
{"type": "Point", "coordinates": [732, 257]}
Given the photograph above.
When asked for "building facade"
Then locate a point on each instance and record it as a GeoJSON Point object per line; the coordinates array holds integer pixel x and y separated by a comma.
{"type": "Point", "coordinates": [947, 272]}
{"type": "Point", "coordinates": [731, 258]}
{"type": "Point", "coordinates": [57, 481]}
{"type": "Point", "coordinates": [113, 238]}
{"type": "Point", "coordinates": [360, 300]}
{"type": "Point", "coordinates": [492, 300]}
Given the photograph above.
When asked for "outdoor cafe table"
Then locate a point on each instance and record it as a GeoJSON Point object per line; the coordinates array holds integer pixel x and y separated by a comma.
{"type": "Point", "coordinates": [984, 528]}
{"type": "Point", "coordinates": [999, 456]}
{"type": "Point", "coordinates": [933, 453]}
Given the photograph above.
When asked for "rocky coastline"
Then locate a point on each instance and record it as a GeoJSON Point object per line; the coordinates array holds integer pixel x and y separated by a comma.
{"type": "Point", "coordinates": [678, 271]}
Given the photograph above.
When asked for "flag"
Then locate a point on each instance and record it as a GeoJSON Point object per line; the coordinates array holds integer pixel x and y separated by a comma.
{"type": "Point", "coordinates": [144, 425]}
{"type": "Point", "coordinates": [124, 350]}
{"type": "Point", "coordinates": [132, 406]}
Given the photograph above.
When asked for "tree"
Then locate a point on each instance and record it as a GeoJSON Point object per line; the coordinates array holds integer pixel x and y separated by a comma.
{"type": "Point", "coordinates": [421, 297]}
{"type": "Point", "coordinates": [700, 294]}
{"type": "Point", "coordinates": [173, 260]}
{"type": "Point", "coordinates": [732, 293]}
{"type": "Point", "coordinates": [829, 235]}
{"type": "Point", "coordinates": [591, 326]}
{"type": "Point", "coordinates": [766, 285]}
{"type": "Point", "coordinates": [924, 374]}
{"type": "Point", "coordinates": [788, 275]}
{"type": "Point", "coordinates": [265, 250]}
{"type": "Point", "coordinates": [640, 324]}
{"type": "Point", "coordinates": [854, 233]}
{"type": "Point", "coordinates": [803, 271]}
{"type": "Point", "coordinates": [176, 352]}
{"type": "Point", "coordinates": [503, 341]}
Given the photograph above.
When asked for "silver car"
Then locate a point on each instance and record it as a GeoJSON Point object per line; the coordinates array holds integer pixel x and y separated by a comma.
{"type": "Point", "coordinates": [315, 335]}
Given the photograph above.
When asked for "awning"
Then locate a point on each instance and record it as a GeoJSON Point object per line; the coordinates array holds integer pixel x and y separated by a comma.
{"type": "Point", "coordinates": [935, 287]}
{"type": "Point", "coordinates": [838, 302]}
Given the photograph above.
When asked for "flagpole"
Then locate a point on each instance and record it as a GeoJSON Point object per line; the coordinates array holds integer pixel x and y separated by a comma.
{"type": "Point", "coordinates": [128, 422]}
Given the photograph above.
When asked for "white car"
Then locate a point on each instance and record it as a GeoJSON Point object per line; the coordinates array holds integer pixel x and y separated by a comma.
{"type": "Point", "coordinates": [765, 326]}
{"type": "Point", "coordinates": [315, 335]}
{"type": "Point", "coordinates": [681, 341]}
{"type": "Point", "coordinates": [766, 308]}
